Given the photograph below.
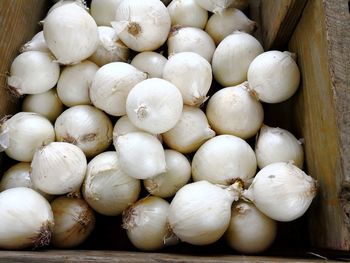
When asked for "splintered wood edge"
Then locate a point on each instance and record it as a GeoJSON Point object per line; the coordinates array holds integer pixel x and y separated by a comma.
{"type": "Point", "coordinates": [322, 115]}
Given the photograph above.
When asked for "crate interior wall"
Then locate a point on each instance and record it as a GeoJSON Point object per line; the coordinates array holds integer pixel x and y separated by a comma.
{"type": "Point", "coordinates": [319, 32]}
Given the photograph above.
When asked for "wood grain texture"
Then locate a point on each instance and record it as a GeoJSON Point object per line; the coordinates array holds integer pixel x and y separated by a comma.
{"type": "Point", "coordinates": [18, 24]}
{"type": "Point", "coordinates": [338, 40]}
{"type": "Point", "coordinates": [254, 14]}
{"type": "Point", "coordinates": [321, 111]}
{"type": "Point", "coordinates": [278, 20]}
{"type": "Point", "coordinates": [51, 256]}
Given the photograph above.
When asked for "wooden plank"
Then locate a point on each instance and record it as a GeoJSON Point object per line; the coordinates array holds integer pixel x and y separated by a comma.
{"type": "Point", "coordinates": [278, 20]}
{"type": "Point", "coordinates": [321, 107]}
{"type": "Point", "coordinates": [338, 39]}
{"type": "Point", "coordinates": [254, 14]}
{"type": "Point", "coordinates": [18, 24]}
{"type": "Point", "coordinates": [53, 256]}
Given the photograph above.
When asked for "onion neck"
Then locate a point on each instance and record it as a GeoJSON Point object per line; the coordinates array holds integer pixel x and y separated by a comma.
{"type": "Point", "coordinates": [198, 99]}
{"type": "Point", "coordinates": [209, 133]}
{"type": "Point", "coordinates": [152, 186]}
{"type": "Point", "coordinates": [14, 86]}
{"type": "Point", "coordinates": [253, 26]}
{"type": "Point", "coordinates": [129, 218]}
{"type": "Point", "coordinates": [235, 190]}
{"type": "Point", "coordinates": [292, 55]}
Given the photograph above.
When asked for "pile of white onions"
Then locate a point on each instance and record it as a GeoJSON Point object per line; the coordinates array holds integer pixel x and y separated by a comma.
{"type": "Point", "coordinates": [119, 112]}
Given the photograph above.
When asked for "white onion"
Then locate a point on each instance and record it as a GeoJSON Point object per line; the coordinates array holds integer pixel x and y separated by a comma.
{"type": "Point", "coordinates": [146, 223]}
{"type": "Point", "coordinates": [178, 173]}
{"type": "Point", "coordinates": [85, 126]}
{"type": "Point", "coordinates": [154, 105]}
{"type": "Point", "coordinates": [142, 25]}
{"type": "Point", "coordinates": [224, 159]}
{"type": "Point", "coordinates": [190, 39]}
{"type": "Point", "coordinates": [26, 219]}
{"type": "Point", "coordinates": [141, 155]}
{"type": "Point", "coordinates": [233, 56]}
{"type": "Point", "coordinates": [33, 72]}
{"type": "Point", "coordinates": [222, 24]}
{"type": "Point", "coordinates": [58, 168]}
{"type": "Point", "coordinates": [278, 145]}
{"type": "Point", "coordinates": [70, 33]}
{"type": "Point", "coordinates": [46, 104]}
{"type": "Point", "coordinates": [37, 43]}
{"type": "Point", "coordinates": [107, 189]}
{"type": "Point", "coordinates": [150, 62]}
{"type": "Point", "coordinates": [18, 175]}
{"type": "Point", "coordinates": [112, 84]}
{"type": "Point", "coordinates": [187, 13]}
{"type": "Point", "coordinates": [74, 221]}
{"type": "Point", "coordinates": [110, 48]}
{"type": "Point", "coordinates": [74, 82]}
{"type": "Point", "coordinates": [124, 126]}
{"type": "Point", "coordinates": [59, 3]}
{"type": "Point", "coordinates": [250, 231]}
{"type": "Point", "coordinates": [217, 6]}
{"type": "Point", "coordinates": [200, 212]}
{"type": "Point", "coordinates": [103, 11]}
{"type": "Point", "coordinates": [235, 110]}
{"type": "Point", "coordinates": [191, 74]}
{"type": "Point", "coordinates": [274, 76]}
{"type": "Point", "coordinates": [23, 133]}
{"type": "Point", "coordinates": [282, 191]}
{"type": "Point", "coordinates": [190, 132]}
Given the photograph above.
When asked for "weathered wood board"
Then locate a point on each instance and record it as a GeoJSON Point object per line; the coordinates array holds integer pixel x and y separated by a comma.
{"type": "Point", "coordinates": [53, 256]}
{"type": "Point", "coordinates": [322, 111]}
{"type": "Point", "coordinates": [278, 20]}
{"type": "Point", "coordinates": [18, 24]}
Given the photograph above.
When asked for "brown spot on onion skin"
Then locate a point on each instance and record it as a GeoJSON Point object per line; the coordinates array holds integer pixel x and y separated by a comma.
{"type": "Point", "coordinates": [134, 29]}
{"type": "Point", "coordinates": [88, 137]}
{"type": "Point", "coordinates": [69, 138]}
{"type": "Point", "coordinates": [174, 30]}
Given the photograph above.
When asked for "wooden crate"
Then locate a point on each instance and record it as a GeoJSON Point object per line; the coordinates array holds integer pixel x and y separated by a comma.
{"type": "Point", "coordinates": [318, 31]}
